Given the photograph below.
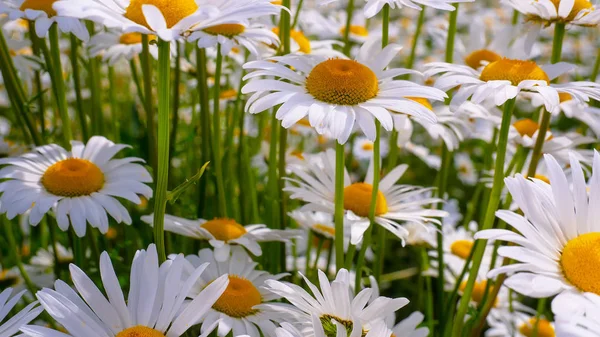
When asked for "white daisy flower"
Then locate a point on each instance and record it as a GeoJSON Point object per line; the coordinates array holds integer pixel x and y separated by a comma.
{"type": "Point", "coordinates": [238, 310]}
{"type": "Point", "coordinates": [395, 203]}
{"type": "Point", "coordinates": [504, 322]}
{"type": "Point", "coordinates": [11, 278]}
{"type": "Point", "coordinates": [577, 314]}
{"type": "Point", "coordinates": [168, 20]}
{"type": "Point", "coordinates": [80, 186]}
{"type": "Point", "coordinates": [556, 247]}
{"type": "Point", "coordinates": [44, 258]}
{"type": "Point", "coordinates": [114, 46]}
{"type": "Point", "coordinates": [372, 7]}
{"type": "Point", "coordinates": [11, 326]}
{"type": "Point", "coordinates": [363, 148]}
{"type": "Point", "coordinates": [505, 79]}
{"type": "Point", "coordinates": [320, 223]}
{"type": "Point", "coordinates": [573, 12]}
{"type": "Point", "coordinates": [230, 35]}
{"type": "Point", "coordinates": [333, 26]}
{"type": "Point", "coordinates": [465, 169]}
{"type": "Point", "coordinates": [409, 327]}
{"type": "Point", "coordinates": [43, 14]}
{"type": "Point", "coordinates": [156, 305]}
{"type": "Point", "coordinates": [301, 44]}
{"type": "Point", "coordinates": [334, 304]}
{"type": "Point", "coordinates": [222, 233]}
{"type": "Point", "coordinates": [335, 93]}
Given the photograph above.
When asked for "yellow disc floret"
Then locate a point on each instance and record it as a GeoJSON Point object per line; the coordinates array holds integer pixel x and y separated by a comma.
{"type": "Point", "coordinates": [342, 82]}
{"type": "Point", "coordinates": [357, 198]}
{"type": "Point", "coordinates": [526, 127]}
{"type": "Point", "coordinates": [564, 97]}
{"type": "Point", "coordinates": [133, 38]}
{"type": "Point", "coordinates": [544, 328]}
{"type": "Point", "coordinates": [515, 71]}
{"type": "Point", "coordinates": [475, 59]}
{"type": "Point", "coordinates": [239, 298]}
{"type": "Point", "coordinates": [39, 5]}
{"type": "Point", "coordinates": [73, 177]}
{"type": "Point", "coordinates": [461, 248]}
{"type": "Point", "coordinates": [478, 291]}
{"type": "Point", "coordinates": [172, 11]}
{"type": "Point", "coordinates": [580, 261]}
{"type": "Point", "coordinates": [224, 229]}
{"type": "Point", "coordinates": [356, 30]}
{"type": "Point", "coordinates": [140, 331]}
{"type": "Point", "coordinates": [227, 29]}
{"type": "Point", "coordinates": [578, 6]}
{"type": "Point", "coordinates": [323, 229]}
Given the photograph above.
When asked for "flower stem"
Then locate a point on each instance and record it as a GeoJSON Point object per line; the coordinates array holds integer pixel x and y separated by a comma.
{"type": "Point", "coordinates": [559, 34]}
{"type": "Point", "coordinates": [160, 198]}
{"type": "Point", "coordinates": [148, 103]}
{"type": "Point", "coordinates": [489, 215]}
{"type": "Point", "coordinates": [59, 84]}
{"type": "Point", "coordinates": [77, 87]}
{"type": "Point", "coordinates": [12, 242]}
{"type": "Point", "coordinates": [596, 67]}
{"type": "Point", "coordinates": [349, 13]}
{"type": "Point", "coordinates": [339, 205]}
{"type": "Point", "coordinates": [451, 35]}
{"type": "Point", "coordinates": [216, 141]}
{"type": "Point", "coordinates": [205, 132]}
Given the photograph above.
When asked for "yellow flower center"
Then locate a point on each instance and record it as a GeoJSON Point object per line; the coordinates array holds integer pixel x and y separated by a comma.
{"type": "Point", "coordinates": [224, 229]}
{"type": "Point", "coordinates": [357, 198]}
{"type": "Point", "coordinates": [356, 30]}
{"type": "Point", "coordinates": [298, 154]}
{"type": "Point", "coordinates": [73, 177]}
{"type": "Point", "coordinates": [299, 37]}
{"type": "Point", "coordinates": [515, 71]}
{"type": "Point", "coordinates": [226, 29]}
{"type": "Point", "coordinates": [478, 291]}
{"type": "Point", "coordinates": [239, 298]}
{"type": "Point", "coordinates": [140, 331]}
{"type": "Point", "coordinates": [580, 261]}
{"type": "Point", "coordinates": [578, 6]}
{"type": "Point", "coordinates": [342, 82]}
{"type": "Point", "coordinates": [39, 5]}
{"type": "Point", "coordinates": [564, 97]}
{"type": "Point", "coordinates": [542, 178]}
{"type": "Point", "coordinates": [544, 328]}
{"type": "Point", "coordinates": [228, 94]}
{"type": "Point", "coordinates": [526, 127]}
{"type": "Point", "coordinates": [368, 146]}
{"type": "Point", "coordinates": [173, 11]}
{"type": "Point", "coordinates": [133, 38]}
{"type": "Point", "coordinates": [461, 248]}
{"type": "Point", "coordinates": [423, 101]}
{"type": "Point", "coordinates": [8, 279]}
{"type": "Point", "coordinates": [475, 59]}
{"type": "Point", "coordinates": [320, 228]}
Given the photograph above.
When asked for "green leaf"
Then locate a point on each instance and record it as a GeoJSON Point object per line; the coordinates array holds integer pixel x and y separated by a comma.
{"type": "Point", "coordinates": [172, 196]}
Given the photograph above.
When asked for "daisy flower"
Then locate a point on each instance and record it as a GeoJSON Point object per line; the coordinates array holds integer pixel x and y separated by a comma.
{"type": "Point", "coordinates": [335, 93]}
{"type": "Point", "coordinates": [334, 304]}
{"type": "Point", "coordinates": [572, 12]}
{"type": "Point", "coordinates": [43, 14]}
{"type": "Point", "coordinates": [80, 186]}
{"type": "Point", "coordinates": [465, 169]}
{"type": "Point", "coordinates": [556, 247]}
{"type": "Point", "coordinates": [114, 46]}
{"type": "Point", "coordinates": [238, 310]}
{"type": "Point", "coordinates": [168, 20]}
{"type": "Point", "coordinates": [372, 7]}
{"type": "Point", "coordinates": [320, 223]}
{"type": "Point", "coordinates": [44, 258]}
{"type": "Point", "coordinates": [363, 148]}
{"type": "Point", "coordinates": [26, 315]}
{"type": "Point", "coordinates": [504, 322]}
{"type": "Point", "coordinates": [577, 314]}
{"type": "Point", "coordinates": [222, 233]}
{"type": "Point", "coordinates": [12, 278]}
{"type": "Point", "coordinates": [505, 79]}
{"type": "Point", "coordinates": [155, 305]}
{"type": "Point", "coordinates": [395, 203]}
{"type": "Point", "coordinates": [230, 35]}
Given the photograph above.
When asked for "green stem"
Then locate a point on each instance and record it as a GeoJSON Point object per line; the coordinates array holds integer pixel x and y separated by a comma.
{"type": "Point", "coordinates": [77, 86]}
{"type": "Point", "coordinates": [451, 35]}
{"type": "Point", "coordinates": [596, 67]}
{"type": "Point", "coordinates": [145, 59]}
{"type": "Point", "coordinates": [347, 42]}
{"type": "Point", "coordinates": [297, 15]}
{"type": "Point", "coordinates": [540, 309]}
{"type": "Point", "coordinates": [12, 242]}
{"type": "Point", "coordinates": [160, 198]}
{"type": "Point", "coordinates": [339, 205]}
{"type": "Point", "coordinates": [114, 104]}
{"type": "Point", "coordinates": [59, 85]}
{"type": "Point", "coordinates": [216, 141]}
{"type": "Point", "coordinates": [175, 111]}
{"type": "Point", "coordinates": [559, 33]}
{"type": "Point", "coordinates": [489, 215]}
{"type": "Point", "coordinates": [205, 132]}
